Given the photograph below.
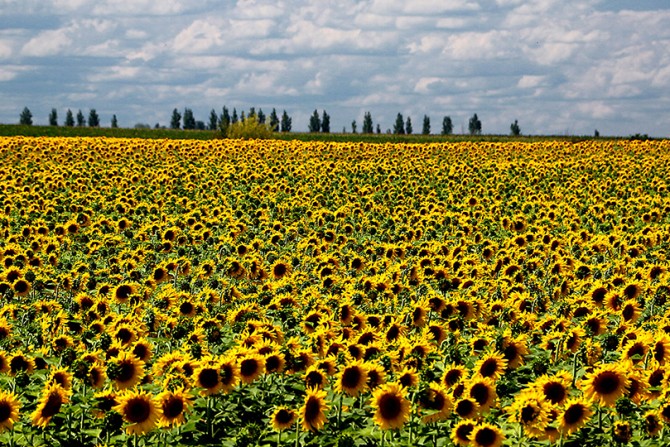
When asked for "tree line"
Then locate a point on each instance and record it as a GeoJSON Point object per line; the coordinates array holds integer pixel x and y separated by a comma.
{"type": "Point", "coordinates": [275, 123]}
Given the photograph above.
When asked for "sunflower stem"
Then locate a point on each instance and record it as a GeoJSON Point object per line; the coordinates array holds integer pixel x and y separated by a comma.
{"type": "Point", "coordinates": [339, 412]}
{"type": "Point", "coordinates": [383, 437]}
{"type": "Point", "coordinates": [297, 435]}
{"type": "Point", "coordinates": [210, 423]}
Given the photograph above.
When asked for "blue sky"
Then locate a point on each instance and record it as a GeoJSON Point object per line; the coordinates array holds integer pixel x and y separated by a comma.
{"type": "Point", "coordinates": [556, 66]}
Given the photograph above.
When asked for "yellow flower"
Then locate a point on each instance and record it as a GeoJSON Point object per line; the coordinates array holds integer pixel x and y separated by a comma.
{"type": "Point", "coordinates": [391, 406]}
{"type": "Point", "coordinates": [140, 410]}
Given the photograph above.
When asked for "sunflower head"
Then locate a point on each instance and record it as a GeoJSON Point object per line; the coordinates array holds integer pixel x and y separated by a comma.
{"type": "Point", "coordinates": [391, 406]}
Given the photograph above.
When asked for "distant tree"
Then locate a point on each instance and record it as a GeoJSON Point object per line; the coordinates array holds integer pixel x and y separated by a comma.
{"type": "Point", "coordinates": [93, 118]}
{"type": "Point", "coordinates": [399, 126]}
{"type": "Point", "coordinates": [175, 121]}
{"type": "Point", "coordinates": [408, 126]}
{"type": "Point", "coordinates": [447, 126]}
{"type": "Point", "coordinates": [514, 128]}
{"type": "Point", "coordinates": [314, 122]}
{"type": "Point", "coordinates": [274, 120]}
{"type": "Point", "coordinates": [242, 117]}
{"type": "Point", "coordinates": [252, 112]}
{"type": "Point", "coordinates": [53, 118]}
{"type": "Point", "coordinates": [213, 120]}
{"type": "Point", "coordinates": [26, 117]}
{"type": "Point", "coordinates": [189, 119]}
{"type": "Point", "coordinates": [596, 134]}
{"type": "Point", "coordinates": [353, 126]}
{"type": "Point", "coordinates": [115, 122]}
{"type": "Point", "coordinates": [200, 125]}
{"type": "Point", "coordinates": [234, 119]}
{"type": "Point", "coordinates": [475, 125]}
{"type": "Point", "coordinates": [141, 126]}
{"type": "Point", "coordinates": [367, 122]}
{"type": "Point", "coordinates": [224, 122]}
{"type": "Point", "coordinates": [156, 126]}
{"type": "Point", "coordinates": [261, 116]}
{"type": "Point", "coordinates": [325, 122]}
{"type": "Point", "coordinates": [69, 119]}
{"type": "Point", "coordinates": [426, 125]}
{"type": "Point", "coordinates": [286, 122]}
{"type": "Point", "coordinates": [80, 119]}
{"type": "Point", "coordinates": [379, 129]}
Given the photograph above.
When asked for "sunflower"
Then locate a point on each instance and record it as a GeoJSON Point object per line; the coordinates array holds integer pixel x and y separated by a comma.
{"type": "Point", "coordinates": [408, 377]}
{"type": "Point", "coordinates": [466, 408]}
{"type": "Point", "coordinates": [461, 434]}
{"type": "Point", "coordinates": [352, 380]}
{"type": "Point", "coordinates": [62, 377]}
{"type": "Point", "coordinates": [9, 410]}
{"type": "Point", "coordinates": [453, 375]}
{"type": "Point", "coordinates": [140, 410]}
{"type": "Point", "coordinates": [436, 402]}
{"type": "Point", "coordinates": [207, 377]}
{"type": "Point", "coordinates": [122, 292]}
{"type": "Point", "coordinates": [251, 366]}
{"type": "Point", "coordinates": [96, 377]}
{"type": "Point", "coordinates": [313, 411]}
{"type": "Point", "coordinates": [622, 432]}
{"type": "Point", "coordinates": [20, 362]}
{"type": "Point", "coordinates": [283, 418]}
{"type": "Point", "coordinates": [21, 287]}
{"type": "Point", "coordinates": [391, 406]}
{"type": "Point", "coordinates": [229, 374]}
{"type": "Point", "coordinates": [487, 435]}
{"type": "Point", "coordinates": [574, 415]}
{"type": "Point", "coordinates": [661, 348]}
{"type": "Point", "coordinates": [605, 384]}
{"type": "Point", "coordinates": [376, 375]}
{"type": "Point", "coordinates": [173, 405]}
{"type": "Point", "coordinates": [491, 365]}
{"type": "Point", "coordinates": [125, 371]}
{"type": "Point", "coordinates": [483, 391]}
{"type": "Point", "coordinates": [315, 377]}
{"type": "Point", "coordinates": [274, 362]}
{"type": "Point", "coordinates": [652, 423]}
{"type": "Point", "coordinates": [280, 269]}
{"type": "Point", "coordinates": [553, 389]}
{"type": "Point", "coordinates": [53, 398]}
{"type": "Point", "coordinates": [530, 411]}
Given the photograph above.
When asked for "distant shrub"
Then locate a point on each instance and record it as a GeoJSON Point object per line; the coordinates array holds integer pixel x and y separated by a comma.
{"type": "Point", "coordinates": [248, 128]}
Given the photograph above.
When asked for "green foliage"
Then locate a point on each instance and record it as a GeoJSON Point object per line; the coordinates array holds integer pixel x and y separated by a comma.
{"type": "Point", "coordinates": [314, 122]}
{"type": "Point", "coordinates": [475, 125]}
{"type": "Point", "coordinates": [93, 119]}
{"type": "Point", "coordinates": [26, 117]}
{"type": "Point", "coordinates": [80, 118]}
{"type": "Point", "coordinates": [69, 118]}
{"type": "Point", "coordinates": [53, 118]}
{"type": "Point", "coordinates": [447, 126]}
{"type": "Point", "coordinates": [249, 128]}
{"type": "Point", "coordinates": [175, 121]}
{"type": "Point", "coordinates": [426, 125]}
{"type": "Point", "coordinates": [515, 130]}
{"type": "Point", "coordinates": [399, 126]}
{"type": "Point", "coordinates": [367, 123]}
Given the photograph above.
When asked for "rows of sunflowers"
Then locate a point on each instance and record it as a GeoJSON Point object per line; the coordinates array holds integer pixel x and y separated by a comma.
{"type": "Point", "coordinates": [285, 293]}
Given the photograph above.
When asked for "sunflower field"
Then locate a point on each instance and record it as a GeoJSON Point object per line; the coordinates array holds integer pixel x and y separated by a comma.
{"type": "Point", "coordinates": [274, 293]}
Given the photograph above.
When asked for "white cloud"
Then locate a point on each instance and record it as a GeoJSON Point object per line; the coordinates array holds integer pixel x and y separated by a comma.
{"type": "Point", "coordinates": [47, 43]}
{"type": "Point", "coordinates": [555, 65]}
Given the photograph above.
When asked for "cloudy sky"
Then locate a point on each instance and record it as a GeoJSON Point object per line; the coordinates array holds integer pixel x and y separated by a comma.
{"type": "Point", "coordinates": [557, 66]}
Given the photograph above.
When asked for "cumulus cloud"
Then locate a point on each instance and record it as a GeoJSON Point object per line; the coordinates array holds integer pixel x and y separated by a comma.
{"type": "Point", "coordinates": [556, 66]}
